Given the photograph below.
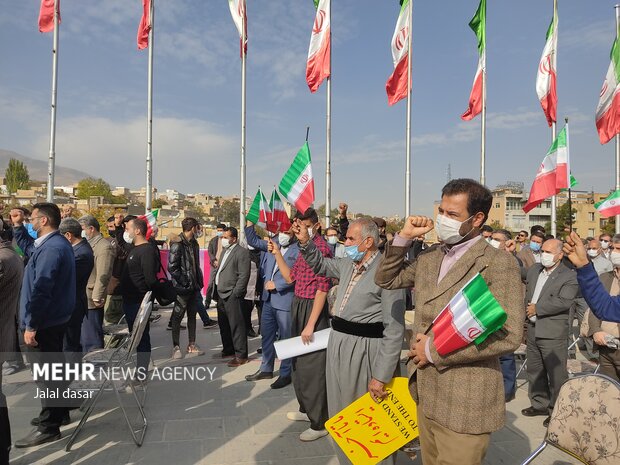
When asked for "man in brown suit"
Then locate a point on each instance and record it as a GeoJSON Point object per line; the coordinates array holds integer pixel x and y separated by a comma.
{"type": "Point", "coordinates": [460, 395]}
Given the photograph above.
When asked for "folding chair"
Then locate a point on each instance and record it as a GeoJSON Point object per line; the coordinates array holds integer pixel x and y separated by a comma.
{"type": "Point", "coordinates": [109, 359]}
{"type": "Point", "coordinates": [117, 333]}
{"type": "Point", "coordinates": [580, 367]}
{"type": "Point", "coordinates": [584, 422]}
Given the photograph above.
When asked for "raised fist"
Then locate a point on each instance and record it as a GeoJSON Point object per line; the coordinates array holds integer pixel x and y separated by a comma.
{"type": "Point", "coordinates": [416, 226]}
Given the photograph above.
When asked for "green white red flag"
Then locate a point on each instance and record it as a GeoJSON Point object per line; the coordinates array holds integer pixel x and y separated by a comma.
{"type": "Point", "coordinates": [240, 18]}
{"type": "Point", "coordinates": [553, 174]}
{"type": "Point", "coordinates": [397, 85]}
{"type": "Point", "coordinates": [297, 185]}
{"type": "Point", "coordinates": [318, 66]}
{"type": "Point", "coordinates": [546, 79]}
{"type": "Point", "coordinates": [151, 223]}
{"type": "Point", "coordinates": [46, 15]}
{"type": "Point", "coordinates": [608, 110]}
{"type": "Point", "coordinates": [278, 218]}
{"type": "Point", "coordinates": [609, 206]}
{"type": "Point", "coordinates": [478, 24]}
{"type": "Point", "coordinates": [472, 315]}
{"type": "Point", "coordinates": [259, 211]}
{"type": "Point", "coordinates": [145, 25]}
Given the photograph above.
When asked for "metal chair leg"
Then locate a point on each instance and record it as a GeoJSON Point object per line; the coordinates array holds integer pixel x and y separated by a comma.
{"type": "Point", "coordinates": [84, 418]}
{"type": "Point", "coordinates": [535, 454]}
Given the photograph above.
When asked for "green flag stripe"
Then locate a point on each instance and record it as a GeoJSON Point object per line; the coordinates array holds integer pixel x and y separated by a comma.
{"type": "Point", "coordinates": [302, 159]}
{"type": "Point", "coordinates": [615, 59]}
{"type": "Point", "coordinates": [559, 142]}
{"type": "Point", "coordinates": [484, 307]}
{"type": "Point", "coordinates": [612, 196]}
{"type": "Point", "coordinates": [478, 25]}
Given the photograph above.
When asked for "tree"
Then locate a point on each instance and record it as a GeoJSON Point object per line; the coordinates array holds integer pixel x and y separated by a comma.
{"type": "Point", "coordinates": [91, 187]}
{"type": "Point", "coordinates": [229, 212]}
{"type": "Point", "coordinates": [610, 226]}
{"type": "Point", "coordinates": [16, 176]}
{"type": "Point", "coordinates": [563, 219]}
{"type": "Point", "coordinates": [158, 203]}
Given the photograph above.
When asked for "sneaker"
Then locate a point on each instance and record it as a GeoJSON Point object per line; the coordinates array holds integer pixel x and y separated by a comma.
{"type": "Point", "coordinates": [155, 318]}
{"type": "Point", "coordinates": [194, 349]}
{"type": "Point", "coordinates": [210, 324]}
{"type": "Point", "coordinates": [13, 368]}
{"type": "Point", "coordinates": [297, 416]}
{"type": "Point", "coordinates": [312, 434]}
{"type": "Point", "coordinates": [176, 353]}
{"type": "Point", "coordinates": [169, 327]}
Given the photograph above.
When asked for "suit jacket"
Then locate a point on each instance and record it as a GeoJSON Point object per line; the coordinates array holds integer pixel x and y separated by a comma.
{"type": "Point", "coordinates": [104, 255]}
{"type": "Point", "coordinates": [84, 263]}
{"type": "Point", "coordinates": [212, 250]}
{"type": "Point", "coordinates": [282, 297]}
{"type": "Point", "coordinates": [554, 302]}
{"type": "Point", "coordinates": [527, 257]}
{"type": "Point", "coordinates": [463, 390]}
{"type": "Point", "coordinates": [234, 273]}
{"type": "Point", "coordinates": [11, 274]}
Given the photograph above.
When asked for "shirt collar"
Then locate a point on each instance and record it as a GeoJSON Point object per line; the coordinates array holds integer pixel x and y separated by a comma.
{"type": "Point", "coordinates": [460, 249]}
{"type": "Point", "coordinates": [364, 266]}
{"type": "Point", "coordinates": [39, 240]}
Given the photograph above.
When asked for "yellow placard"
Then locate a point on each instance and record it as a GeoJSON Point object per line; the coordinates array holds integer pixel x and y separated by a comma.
{"type": "Point", "coordinates": [368, 431]}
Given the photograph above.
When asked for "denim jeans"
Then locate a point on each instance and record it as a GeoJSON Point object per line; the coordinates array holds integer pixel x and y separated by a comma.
{"type": "Point", "coordinates": [274, 322]}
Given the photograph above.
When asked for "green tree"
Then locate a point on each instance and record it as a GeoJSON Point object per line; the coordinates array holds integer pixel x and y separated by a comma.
{"type": "Point", "coordinates": [229, 212]}
{"type": "Point", "coordinates": [610, 226]}
{"type": "Point", "coordinates": [91, 187]}
{"type": "Point", "coordinates": [16, 176]}
{"type": "Point", "coordinates": [563, 220]}
{"type": "Point", "coordinates": [158, 203]}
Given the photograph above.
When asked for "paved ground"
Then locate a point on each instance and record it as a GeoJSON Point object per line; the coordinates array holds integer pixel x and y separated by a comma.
{"type": "Point", "coordinates": [224, 421]}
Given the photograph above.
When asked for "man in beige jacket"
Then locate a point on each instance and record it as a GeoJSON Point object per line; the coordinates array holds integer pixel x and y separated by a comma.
{"type": "Point", "coordinates": [460, 395]}
{"type": "Point", "coordinates": [96, 290]}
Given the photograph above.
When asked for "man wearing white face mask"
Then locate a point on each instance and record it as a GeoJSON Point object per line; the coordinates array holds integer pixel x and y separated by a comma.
{"type": "Point", "coordinates": [450, 389]}
{"type": "Point", "coordinates": [550, 291]}
{"type": "Point", "coordinates": [595, 252]}
{"type": "Point", "coordinates": [606, 245]}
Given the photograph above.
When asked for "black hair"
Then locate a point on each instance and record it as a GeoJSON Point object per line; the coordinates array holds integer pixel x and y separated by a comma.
{"type": "Point", "coordinates": [487, 228]}
{"type": "Point", "coordinates": [110, 219]}
{"type": "Point", "coordinates": [537, 227]}
{"type": "Point", "coordinates": [6, 232]}
{"type": "Point", "coordinates": [220, 226]}
{"type": "Point", "coordinates": [140, 225]}
{"type": "Point", "coordinates": [538, 234]}
{"type": "Point", "coordinates": [309, 214]}
{"type": "Point", "coordinates": [50, 211]}
{"type": "Point", "coordinates": [479, 198]}
{"type": "Point", "coordinates": [233, 231]}
{"type": "Point", "coordinates": [188, 223]}
{"type": "Point", "coordinates": [504, 232]}
{"type": "Point", "coordinates": [524, 232]}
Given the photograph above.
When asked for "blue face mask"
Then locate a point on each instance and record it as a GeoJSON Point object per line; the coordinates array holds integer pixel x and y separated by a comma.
{"type": "Point", "coordinates": [354, 253]}
{"type": "Point", "coordinates": [535, 246]}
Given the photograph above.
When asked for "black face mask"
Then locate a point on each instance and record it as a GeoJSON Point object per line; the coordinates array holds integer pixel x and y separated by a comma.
{"type": "Point", "coordinates": [112, 232]}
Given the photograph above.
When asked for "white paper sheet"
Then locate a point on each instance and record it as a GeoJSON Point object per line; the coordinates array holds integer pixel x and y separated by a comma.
{"type": "Point", "coordinates": [293, 347]}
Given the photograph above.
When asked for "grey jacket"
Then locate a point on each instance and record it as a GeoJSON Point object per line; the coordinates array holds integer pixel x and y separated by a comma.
{"type": "Point", "coordinates": [11, 274]}
{"type": "Point", "coordinates": [554, 302]}
{"type": "Point", "coordinates": [104, 253]}
{"type": "Point", "coordinates": [368, 303]}
{"type": "Point", "coordinates": [234, 274]}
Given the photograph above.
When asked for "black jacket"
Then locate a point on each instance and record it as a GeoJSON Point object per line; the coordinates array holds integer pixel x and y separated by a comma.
{"type": "Point", "coordinates": [184, 264]}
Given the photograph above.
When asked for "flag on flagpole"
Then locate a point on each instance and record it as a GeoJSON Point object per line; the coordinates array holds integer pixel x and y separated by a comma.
{"type": "Point", "coordinates": [319, 53]}
{"type": "Point", "coordinates": [46, 15]}
{"type": "Point", "coordinates": [553, 174]}
{"type": "Point", "coordinates": [472, 315]}
{"type": "Point", "coordinates": [297, 185]}
{"type": "Point", "coordinates": [608, 110]}
{"type": "Point", "coordinates": [145, 25]}
{"type": "Point", "coordinates": [240, 18]}
{"type": "Point", "coordinates": [397, 85]}
{"type": "Point", "coordinates": [151, 223]}
{"type": "Point", "coordinates": [546, 79]}
{"type": "Point", "coordinates": [259, 211]}
{"type": "Point", "coordinates": [279, 220]}
{"type": "Point", "coordinates": [478, 24]}
{"type": "Point", "coordinates": [609, 206]}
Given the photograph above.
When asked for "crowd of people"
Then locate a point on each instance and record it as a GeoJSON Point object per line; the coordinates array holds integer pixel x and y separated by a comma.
{"type": "Point", "coordinates": [61, 279]}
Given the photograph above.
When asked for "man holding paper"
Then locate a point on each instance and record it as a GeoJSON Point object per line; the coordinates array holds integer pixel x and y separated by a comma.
{"type": "Point", "coordinates": [459, 390]}
{"type": "Point", "coordinates": [368, 322]}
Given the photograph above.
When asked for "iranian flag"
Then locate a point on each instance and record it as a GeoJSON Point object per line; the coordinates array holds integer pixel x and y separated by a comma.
{"type": "Point", "coordinates": [553, 174]}
{"type": "Point", "coordinates": [608, 110]}
{"type": "Point", "coordinates": [46, 15]}
{"type": "Point", "coordinates": [397, 85]}
{"type": "Point", "coordinates": [145, 25]}
{"type": "Point", "coordinates": [259, 211]}
{"type": "Point", "coordinates": [278, 218]}
{"type": "Point", "coordinates": [471, 316]}
{"type": "Point", "coordinates": [297, 185]}
{"type": "Point", "coordinates": [319, 54]}
{"type": "Point", "coordinates": [546, 80]}
{"type": "Point", "coordinates": [610, 206]}
{"type": "Point", "coordinates": [151, 223]}
{"type": "Point", "coordinates": [240, 18]}
{"type": "Point", "coordinates": [478, 24]}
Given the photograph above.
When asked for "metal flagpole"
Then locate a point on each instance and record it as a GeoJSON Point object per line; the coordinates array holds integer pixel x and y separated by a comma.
{"type": "Point", "coordinates": [328, 145]}
{"type": "Point", "coordinates": [243, 113]}
{"type": "Point", "coordinates": [554, 199]}
{"type": "Point", "coordinates": [570, 200]}
{"type": "Point", "coordinates": [408, 136]}
{"type": "Point", "coordinates": [51, 164]}
{"type": "Point", "coordinates": [617, 7]}
{"type": "Point", "coordinates": [148, 202]}
{"type": "Point", "coordinates": [483, 139]}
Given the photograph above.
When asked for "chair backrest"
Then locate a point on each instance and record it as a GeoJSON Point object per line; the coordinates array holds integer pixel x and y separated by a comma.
{"type": "Point", "coordinates": [585, 420]}
{"type": "Point", "coordinates": [142, 319]}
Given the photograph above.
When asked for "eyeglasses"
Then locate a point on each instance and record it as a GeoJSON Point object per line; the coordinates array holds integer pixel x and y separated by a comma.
{"type": "Point", "coordinates": [520, 235]}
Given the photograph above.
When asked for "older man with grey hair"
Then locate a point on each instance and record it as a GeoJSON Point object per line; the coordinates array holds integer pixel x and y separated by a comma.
{"type": "Point", "coordinates": [363, 352]}
{"type": "Point", "coordinates": [96, 290]}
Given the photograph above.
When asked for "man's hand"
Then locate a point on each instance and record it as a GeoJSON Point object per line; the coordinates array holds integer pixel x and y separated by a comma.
{"type": "Point", "coordinates": [510, 246]}
{"type": "Point", "coordinates": [272, 247]}
{"type": "Point", "coordinates": [376, 389]}
{"type": "Point", "coordinates": [575, 250]}
{"type": "Point", "coordinates": [307, 335]}
{"type": "Point", "coordinates": [270, 286]}
{"type": "Point", "coordinates": [599, 338]}
{"type": "Point", "coordinates": [418, 351]}
{"type": "Point", "coordinates": [531, 310]}
{"type": "Point", "coordinates": [99, 303]}
{"type": "Point", "coordinates": [29, 338]}
{"type": "Point", "coordinates": [416, 226]}
{"type": "Point", "coordinates": [17, 217]}
{"type": "Point", "coordinates": [342, 209]}
{"type": "Point", "coordinates": [301, 231]}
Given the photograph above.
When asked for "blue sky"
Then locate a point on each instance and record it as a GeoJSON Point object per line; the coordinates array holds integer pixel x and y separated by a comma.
{"type": "Point", "coordinates": [102, 96]}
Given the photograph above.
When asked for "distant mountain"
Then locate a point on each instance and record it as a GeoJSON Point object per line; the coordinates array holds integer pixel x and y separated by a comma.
{"type": "Point", "coordinates": [38, 169]}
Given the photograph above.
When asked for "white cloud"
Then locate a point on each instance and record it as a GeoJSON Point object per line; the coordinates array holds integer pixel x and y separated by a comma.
{"type": "Point", "coordinates": [593, 35]}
